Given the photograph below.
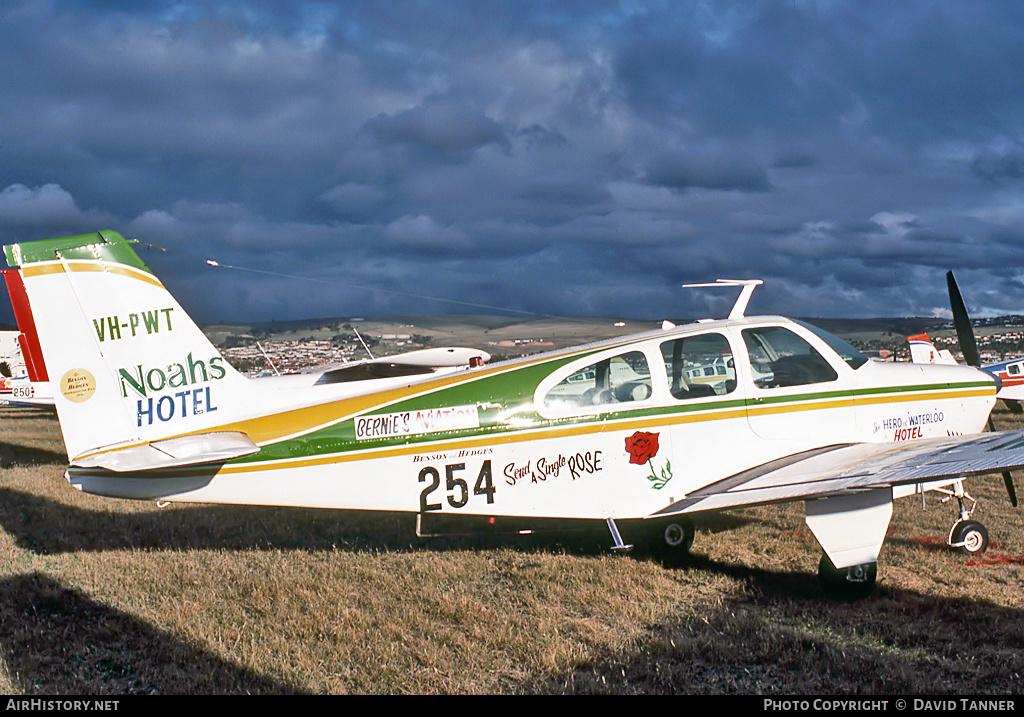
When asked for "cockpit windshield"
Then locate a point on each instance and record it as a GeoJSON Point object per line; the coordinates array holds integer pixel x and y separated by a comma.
{"type": "Point", "coordinates": [853, 358]}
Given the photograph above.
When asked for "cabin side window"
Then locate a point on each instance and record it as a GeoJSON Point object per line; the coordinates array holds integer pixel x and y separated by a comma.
{"type": "Point", "coordinates": [778, 358]}
{"type": "Point", "coordinates": [699, 366]}
{"type": "Point", "coordinates": [620, 379]}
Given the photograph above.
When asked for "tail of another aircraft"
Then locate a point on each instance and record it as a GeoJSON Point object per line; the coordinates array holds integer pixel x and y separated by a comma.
{"type": "Point", "coordinates": [922, 350]}
{"type": "Point", "coordinates": [32, 389]}
{"type": "Point", "coordinates": [136, 383]}
{"type": "Point", "coordinates": [28, 338]}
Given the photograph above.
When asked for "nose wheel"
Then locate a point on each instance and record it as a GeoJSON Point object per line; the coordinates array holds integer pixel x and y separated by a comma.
{"type": "Point", "coordinates": [968, 536]}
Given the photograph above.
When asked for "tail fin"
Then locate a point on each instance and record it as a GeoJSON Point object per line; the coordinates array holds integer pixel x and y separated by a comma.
{"type": "Point", "coordinates": [127, 366]}
{"type": "Point", "coordinates": [28, 338]}
{"type": "Point", "coordinates": [922, 350]}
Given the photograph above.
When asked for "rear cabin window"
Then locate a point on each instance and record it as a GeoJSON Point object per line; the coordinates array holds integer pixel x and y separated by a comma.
{"type": "Point", "coordinates": [699, 366]}
{"type": "Point", "coordinates": [624, 378]}
{"type": "Point", "coordinates": [778, 358]}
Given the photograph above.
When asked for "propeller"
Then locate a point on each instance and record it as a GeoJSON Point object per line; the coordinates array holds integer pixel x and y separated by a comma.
{"type": "Point", "coordinates": [969, 348]}
{"type": "Point", "coordinates": [962, 322]}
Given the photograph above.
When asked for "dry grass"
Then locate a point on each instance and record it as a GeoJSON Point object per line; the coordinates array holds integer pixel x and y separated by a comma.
{"type": "Point", "coordinates": [111, 597]}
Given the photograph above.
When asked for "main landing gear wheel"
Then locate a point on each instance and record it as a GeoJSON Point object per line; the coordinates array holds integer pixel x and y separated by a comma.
{"type": "Point", "coordinates": [969, 537]}
{"type": "Point", "coordinates": [671, 540]}
{"type": "Point", "coordinates": [852, 583]}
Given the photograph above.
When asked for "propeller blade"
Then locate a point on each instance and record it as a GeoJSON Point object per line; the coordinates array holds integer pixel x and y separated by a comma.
{"type": "Point", "coordinates": [1010, 490]}
{"type": "Point", "coordinates": [962, 322]}
{"type": "Point", "coordinates": [969, 348]}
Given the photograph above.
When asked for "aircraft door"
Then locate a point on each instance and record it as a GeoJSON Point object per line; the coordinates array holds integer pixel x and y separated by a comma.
{"type": "Point", "coordinates": [794, 393]}
{"type": "Point", "coordinates": [703, 393]}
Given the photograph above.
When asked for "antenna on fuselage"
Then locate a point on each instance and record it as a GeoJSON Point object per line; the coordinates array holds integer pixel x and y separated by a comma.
{"type": "Point", "coordinates": [744, 298]}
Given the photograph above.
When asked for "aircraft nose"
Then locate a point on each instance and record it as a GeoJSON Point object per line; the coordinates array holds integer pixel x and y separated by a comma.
{"type": "Point", "coordinates": [995, 377]}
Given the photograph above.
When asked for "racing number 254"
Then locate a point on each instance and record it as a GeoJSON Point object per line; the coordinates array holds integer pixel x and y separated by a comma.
{"type": "Point", "coordinates": [457, 488]}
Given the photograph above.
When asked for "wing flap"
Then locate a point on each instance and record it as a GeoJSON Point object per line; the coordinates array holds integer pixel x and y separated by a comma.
{"type": "Point", "coordinates": [840, 469]}
{"type": "Point", "coordinates": [197, 449]}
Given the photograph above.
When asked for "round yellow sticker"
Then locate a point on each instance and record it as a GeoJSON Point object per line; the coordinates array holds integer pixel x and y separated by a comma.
{"type": "Point", "coordinates": [78, 385]}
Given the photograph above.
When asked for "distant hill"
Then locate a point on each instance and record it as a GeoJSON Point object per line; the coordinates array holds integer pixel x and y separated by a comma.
{"type": "Point", "coordinates": [444, 323]}
{"type": "Point", "coordinates": [911, 324]}
{"type": "Point", "coordinates": [482, 331]}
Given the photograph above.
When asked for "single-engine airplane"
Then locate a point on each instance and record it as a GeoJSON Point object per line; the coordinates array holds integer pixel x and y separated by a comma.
{"type": "Point", "coordinates": [614, 431]}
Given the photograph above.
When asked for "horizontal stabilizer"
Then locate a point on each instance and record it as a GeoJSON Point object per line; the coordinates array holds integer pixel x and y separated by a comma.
{"type": "Point", "coordinates": [199, 449]}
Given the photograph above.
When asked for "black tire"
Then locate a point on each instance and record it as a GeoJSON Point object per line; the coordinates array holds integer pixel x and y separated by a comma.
{"type": "Point", "coordinates": [969, 537]}
{"type": "Point", "coordinates": [852, 583]}
{"type": "Point", "coordinates": [670, 541]}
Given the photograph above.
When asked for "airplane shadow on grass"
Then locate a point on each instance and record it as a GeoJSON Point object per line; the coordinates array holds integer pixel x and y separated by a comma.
{"type": "Point", "coordinates": [778, 636]}
{"type": "Point", "coordinates": [55, 640]}
{"type": "Point", "coordinates": [775, 634]}
{"type": "Point", "coordinates": [48, 527]}
{"type": "Point", "coordinates": [12, 454]}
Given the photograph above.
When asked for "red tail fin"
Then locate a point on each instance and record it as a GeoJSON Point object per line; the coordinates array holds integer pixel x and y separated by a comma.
{"type": "Point", "coordinates": [28, 339]}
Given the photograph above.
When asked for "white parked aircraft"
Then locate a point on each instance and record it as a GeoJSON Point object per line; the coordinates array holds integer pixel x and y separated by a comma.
{"type": "Point", "coordinates": [150, 410]}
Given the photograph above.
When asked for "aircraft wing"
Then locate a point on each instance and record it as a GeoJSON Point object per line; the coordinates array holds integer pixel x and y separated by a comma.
{"type": "Point", "coordinates": [843, 469]}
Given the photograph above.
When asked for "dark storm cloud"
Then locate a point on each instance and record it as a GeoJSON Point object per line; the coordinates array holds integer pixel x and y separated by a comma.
{"type": "Point", "coordinates": [722, 171]}
{"type": "Point", "coordinates": [440, 129]}
{"type": "Point", "coordinates": [562, 158]}
{"type": "Point", "coordinates": [999, 164]}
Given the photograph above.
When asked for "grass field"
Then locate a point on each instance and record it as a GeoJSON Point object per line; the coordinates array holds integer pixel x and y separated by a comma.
{"type": "Point", "coordinates": [102, 596]}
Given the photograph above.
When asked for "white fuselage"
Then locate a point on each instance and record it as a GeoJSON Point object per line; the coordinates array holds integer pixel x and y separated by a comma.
{"type": "Point", "coordinates": [466, 443]}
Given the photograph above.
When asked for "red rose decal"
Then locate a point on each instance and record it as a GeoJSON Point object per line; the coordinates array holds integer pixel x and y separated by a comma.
{"type": "Point", "coordinates": [641, 447]}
